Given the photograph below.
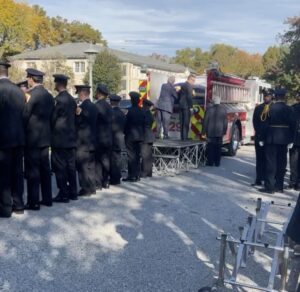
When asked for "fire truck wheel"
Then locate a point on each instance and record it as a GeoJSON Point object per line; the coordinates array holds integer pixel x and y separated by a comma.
{"type": "Point", "coordinates": [233, 146]}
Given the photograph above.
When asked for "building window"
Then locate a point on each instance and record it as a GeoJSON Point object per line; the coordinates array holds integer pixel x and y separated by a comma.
{"type": "Point", "coordinates": [124, 85]}
{"type": "Point", "coordinates": [124, 70]}
{"type": "Point", "coordinates": [79, 67]}
{"type": "Point", "coordinates": [31, 65]}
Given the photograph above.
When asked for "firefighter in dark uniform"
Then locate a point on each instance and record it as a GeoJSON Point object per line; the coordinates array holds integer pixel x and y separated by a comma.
{"type": "Point", "coordinates": [118, 144]}
{"type": "Point", "coordinates": [37, 118]}
{"type": "Point", "coordinates": [134, 136]}
{"type": "Point", "coordinates": [295, 151]}
{"type": "Point", "coordinates": [104, 137]}
{"type": "Point", "coordinates": [63, 142]}
{"type": "Point", "coordinates": [293, 229]}
{"type": "Point", "coordinates": [146, 150]}
{"type": "Point", "coordinates": [11, 145]}
{"type": "Point", "coordinates": [86, 122]}
{"type": "Point", "coordinates": [260, 116]}
{"type": "Point", "coordinates": [185, 97]}
{"type": "Point", "coordinates": [278, 135]}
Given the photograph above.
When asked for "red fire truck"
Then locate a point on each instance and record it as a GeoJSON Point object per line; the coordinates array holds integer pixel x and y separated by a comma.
{"type": "Point", "coordinates": [238, 95]}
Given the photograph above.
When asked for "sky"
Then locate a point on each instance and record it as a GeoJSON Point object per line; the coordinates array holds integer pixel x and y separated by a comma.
{"type": "Point", "coordinates": [164, 26]}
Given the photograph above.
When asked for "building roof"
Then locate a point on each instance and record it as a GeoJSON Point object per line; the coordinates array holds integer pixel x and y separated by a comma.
{"type": "Point", "coordinates": [76, 51]}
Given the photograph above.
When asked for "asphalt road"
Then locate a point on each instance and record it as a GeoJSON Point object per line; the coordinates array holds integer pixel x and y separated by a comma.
{"type": "Point", "coordinates": [155, 235]}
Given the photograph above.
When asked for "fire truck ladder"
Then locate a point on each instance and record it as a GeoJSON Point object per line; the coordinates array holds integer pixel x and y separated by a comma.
{"type": "Point", "coordinates": [251, 239]}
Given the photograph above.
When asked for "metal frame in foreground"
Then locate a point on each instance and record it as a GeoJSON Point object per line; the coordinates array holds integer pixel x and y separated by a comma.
{"type": "Point", "coordinates": [251, 236]}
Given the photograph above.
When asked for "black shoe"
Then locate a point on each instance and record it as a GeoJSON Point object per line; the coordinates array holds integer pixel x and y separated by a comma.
{"type": "Point", "coordinates": [279, 191]}
{"type": "Point", "coordinates": [256, 183]}
{"type": "Point", "coordinates": [266, 191]}
{"type": "Point", "coordinates": [130, 179]}
{"type": "Point", "coordinates": [115, 183]}
{"type": "Point", "coordinates": [18, 211]}
{"type": "Point", "coordinates": [106, 186]}
{"type": "Point", "coordinates": [35, 207]}
{"type": "Point", "coordinates": [83, 193]}
{"type": "Point", "coordinates": [98, 187]}
{"type": "Point", "coordinates": [59, 199]}
{"type": "Point", "coordinates": [291, 186]}
{"type": "Point", "coordinates": [47, 204]}
{"type": "Point", "coordinates": [74, 198]}
{"type": "Point", "coordinates": [297, 187]}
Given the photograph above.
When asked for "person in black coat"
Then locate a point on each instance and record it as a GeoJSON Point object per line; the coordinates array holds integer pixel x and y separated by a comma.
{"type": "Point", "coordinates": [11, 145]}
{"type": "Point", "coordinates": [63, 142]}
{"type": "Point", "coordinates": [295, 151]}
{"type": "Point", "coordinates": [215, 127]}
{"type": "Point", "coordinates": [104, 137]}
{"type": "Point", "coordinates": [118, 143]}
{"type": "Point", "coordinates": [86, 123]}
{"type": "Point", "coordinates": [259, 118]}
{"type": "Point", "coordinates": [293, 229]}
{"type": "Point", "coordinates": [134, 136]}
{"type": "Point", "coordinates": [278, 136]}
{"type": "Point", "coordinates": [185, 97]}
{"type": "Point", "coordinates": [146, 150]}
{"type": "Point", "coordinates": [37, 118]}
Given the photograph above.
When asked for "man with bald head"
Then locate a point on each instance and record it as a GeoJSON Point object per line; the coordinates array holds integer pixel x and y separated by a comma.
{"type": "Point", "coordinates": [164, 106]}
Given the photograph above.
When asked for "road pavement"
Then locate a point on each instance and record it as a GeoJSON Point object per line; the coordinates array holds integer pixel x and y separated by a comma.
{"type": "Point", "coordinates": [155, 235]}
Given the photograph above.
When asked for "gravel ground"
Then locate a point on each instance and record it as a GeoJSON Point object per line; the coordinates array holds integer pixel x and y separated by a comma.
{"type": "Point", "coordinates": [155, 235]}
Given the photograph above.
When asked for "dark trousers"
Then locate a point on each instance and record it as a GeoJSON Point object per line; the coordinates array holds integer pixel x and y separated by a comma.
{"type": "Point", "coordinates": [133, 152]}
{"type": "Point", "coordinates": [115, 167]}
{"type": "Point", "coordinates": [184, 117]}
{"type": "Point", "coordinates": [11, 180]}
{"type": "Point", "coordinates": [163, 121]}
{"type": "Point", "coordinates": [214, 151]}
{"type": "Point", "coordinates": [147, 159]}
{"type": "Point", "coordinates": [293, 229]}
{"type": "Point", "coordinates": [85, 164]}
{"type": "Point", "coordinates": [295, 165]}
{"type": "Point", "coordinates": [38, 173]}
{"type": "Point", "coordinates": [260, 162]}
{"type": "Point", "coordinates": [276, 161]}
{"type": "Point", "coordinates": [64, 166]}
{"type": "Point", "coordinates": [102, 165]}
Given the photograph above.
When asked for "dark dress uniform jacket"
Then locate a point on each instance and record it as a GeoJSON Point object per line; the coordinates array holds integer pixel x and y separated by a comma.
{"type": "Point", "coordinates": [104, 123]}
{"type": "Point", "coordinates": [215, 121]}
{"type": "Point", "coordinates": [168, 96]}
{"type": "Point", "coordinates": [118, 125]}
{"type": "Point", "coordinates": [258, 124]}
{"type": "Point", "coordinates": [186, 96]}
{"type": "Point", "coordinates": [296, 109]}
{"type": "Point", "coordinates": [37, 117]}
{"type": "Point", "coordinates": [148, 134]}
{"type": "Point", "coordinates": [86, 126]}
{"type": "Point", "coordinates": [280, 126]}
{"type": "Point", "coordinates": [63, 121]}
{"type": "Point", "coordinates": [134, 126]}
{"type": "Point", "coordinates": [11, 115]}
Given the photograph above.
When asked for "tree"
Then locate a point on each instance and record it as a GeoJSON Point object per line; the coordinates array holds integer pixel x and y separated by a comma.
{"type": "Point", "coordinates": [106, 70]}
{"type": "Point", "coordinates": [25, 27]}
{"type": "Point", "coordinates": [58, 65]}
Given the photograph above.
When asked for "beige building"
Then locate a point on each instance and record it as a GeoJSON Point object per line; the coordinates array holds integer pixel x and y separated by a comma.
{"type": "Point", "coordinates": [72, 56]}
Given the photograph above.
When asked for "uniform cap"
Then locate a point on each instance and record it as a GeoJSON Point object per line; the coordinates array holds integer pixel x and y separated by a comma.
{"type": "Point", "coordinates": [22, 83]}
{"type": "Point", "coordinates": [34, 72]}
{"type": "Point", "coordinates": [80, 87]}
{"type": "Point", "coordinates": [115, 97]}
{"type": "Point", "coordinates": [147, 102]}
{"type": "Point", "coordinates": [134, 95]}
{"type": "Point", "coordinates": [280, 92]}
{"type": "Point", "coordinates": [4, 63]}
{"type": "Point", "coordinates": [60, 77]}
{"type": "Point", "coordinates": [102, 89]}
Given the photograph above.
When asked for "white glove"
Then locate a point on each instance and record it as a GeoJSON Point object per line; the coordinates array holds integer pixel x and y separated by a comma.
{"type": "Point", "coordinates": [290, 146]}
{"type": "Point", "coordinates": [261, 143]}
